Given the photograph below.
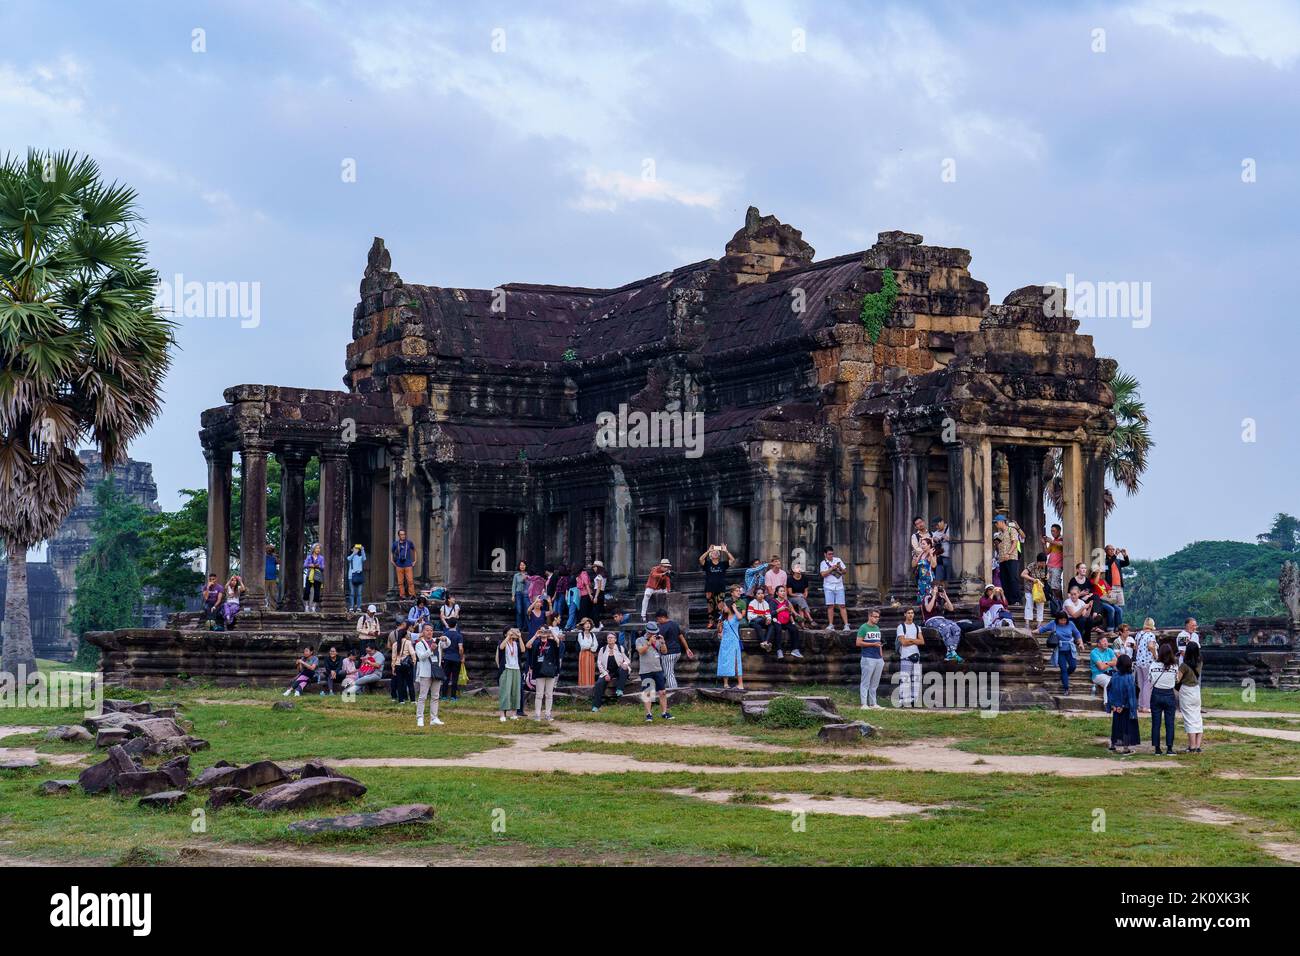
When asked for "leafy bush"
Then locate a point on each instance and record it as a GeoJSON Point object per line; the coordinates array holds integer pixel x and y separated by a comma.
{"type": "Point", "coordinates": [788, 712]}
{"type": "Point", "coordinates": [877, 305]}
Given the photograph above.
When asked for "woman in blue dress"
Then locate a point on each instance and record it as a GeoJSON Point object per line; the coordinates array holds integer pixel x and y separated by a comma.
{"type": "Point", "coordinates": [729, 647]}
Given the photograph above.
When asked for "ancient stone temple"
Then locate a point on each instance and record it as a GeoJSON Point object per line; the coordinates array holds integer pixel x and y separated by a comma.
{"type": "Point", "coordinates": [52, 583]}
{"type": "Point", "coordinates": [472, 418]}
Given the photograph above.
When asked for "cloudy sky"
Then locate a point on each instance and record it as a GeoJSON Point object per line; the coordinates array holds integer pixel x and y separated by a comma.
{"type": "Point", "coordinates": [595, 143]}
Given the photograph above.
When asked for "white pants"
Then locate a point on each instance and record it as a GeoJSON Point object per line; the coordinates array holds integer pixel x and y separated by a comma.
{"type": "Point", "coordinates": [427, 687]}
{"type": "Point", "coordinates": [1033, 607]}
{"type": "Point", "coordinates": [909, 682]}
{"type": "Point", "coordinates": [1102, 681]}
{"type": "Point", "coordinates": [545, 695]}
{"type": "Point", "coordinates": [645, 601]}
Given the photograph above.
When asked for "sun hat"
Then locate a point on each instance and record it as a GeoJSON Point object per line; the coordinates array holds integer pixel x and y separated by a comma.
{"type": "Point", "coordinates": [371, 608]}
{"type": "Point", "coordinates": [665, 561]}
{"type": "Point", "coordinates": [652, 628]}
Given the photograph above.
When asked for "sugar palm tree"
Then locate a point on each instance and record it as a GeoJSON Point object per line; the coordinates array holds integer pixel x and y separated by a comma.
{"type": "Point", "coordinates": [83, 351]}
{"type": "Point", "coordinates": [1126, 448]}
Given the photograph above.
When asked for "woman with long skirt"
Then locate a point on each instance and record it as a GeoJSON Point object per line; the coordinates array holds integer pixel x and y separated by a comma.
{"type": "Point", "coordinates": [729, 665]}
{"type": "Point", "coordinates": [1122, 702]}
{"type": "Point", "coordinates": [1189, 696]}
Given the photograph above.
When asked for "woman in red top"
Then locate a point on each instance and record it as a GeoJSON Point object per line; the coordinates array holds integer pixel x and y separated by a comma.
{"type": "Point", "coordinates": [1101, 600]}
{"type": "Point", "coordinates": [783, 620]}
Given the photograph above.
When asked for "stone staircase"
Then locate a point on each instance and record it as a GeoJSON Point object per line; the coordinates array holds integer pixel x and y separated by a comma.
{"type": "Point", "coordinates": [1290, 677]}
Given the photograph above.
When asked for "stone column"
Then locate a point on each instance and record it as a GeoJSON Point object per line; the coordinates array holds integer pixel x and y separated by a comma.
{"type": "Point", "coordinates": [905, 455]}
{"type": "Point", "coordinates": [293, 507]}
{"type": "Point", "coordinates": [333, 523]}
{"type": "Point", "coordinates": [398, 494]}
{"type": "Point", "coordinates": [1073, 527]}
{"type": "Point", "coordinates": [252, 522]}
{"type": "Point", "coordinates": [1026, 466]}
{"type": "Point", "coordinates": [620, 531]}
{"type": "Point", "coordinates": [218, 512]}
{"type": "Point", "coordinates": [970, 521]}
{"type": "Point", "coordinates": [1094, 505]}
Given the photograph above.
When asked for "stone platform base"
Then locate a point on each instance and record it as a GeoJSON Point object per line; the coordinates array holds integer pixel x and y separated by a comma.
{"type": "Point", "coordinates": [149, 658]}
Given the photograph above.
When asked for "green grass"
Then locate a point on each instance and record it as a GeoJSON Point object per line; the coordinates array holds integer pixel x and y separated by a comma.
{"type": "Point", "coordinates": [559, 817]}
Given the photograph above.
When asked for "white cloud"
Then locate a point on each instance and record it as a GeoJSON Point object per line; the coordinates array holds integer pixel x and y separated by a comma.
{"type": "Point", "coordinates": [1267, 30]}
{"type": "Point", "coordinates": [605, 189]}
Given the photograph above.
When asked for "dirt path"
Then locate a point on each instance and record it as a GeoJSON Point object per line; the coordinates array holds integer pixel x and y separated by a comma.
{"type": "Point", "coordinates": [29, 753]}
{"type": "Point", "coordinates": [807, 803]}
{"type": "Point", "coordinates": [1292, 735]}
{"type": "Point", "coordinates": [529, 754]}
{"type": "Point", "coordinates": [1247, 827]}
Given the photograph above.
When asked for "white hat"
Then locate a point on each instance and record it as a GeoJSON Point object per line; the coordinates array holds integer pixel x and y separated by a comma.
{"type": "Point", "coordinates": [665, 561]}
{"type": "Point", "coordinates": [597, 564]}
{"type": "Point", "coordinates": [371, 608]}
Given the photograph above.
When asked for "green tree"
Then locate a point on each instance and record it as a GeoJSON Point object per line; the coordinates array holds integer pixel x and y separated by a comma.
{"type": "Point", "coordinates": [83, 351]}
{"type": "Point", "coordinates": [172, 538]}
{"type": "Point", "coordinates": [108, 574]}
{"type": "Point", "coordinates": [1285, 533]}
{"type": "Point", "coordinates": [1126, 449]}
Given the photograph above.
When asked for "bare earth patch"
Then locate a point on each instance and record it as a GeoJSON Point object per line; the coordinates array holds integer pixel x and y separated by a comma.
{"type": "Point", "coordinates": [840, 806]}
{"type": "Point", "coordinates": [1292, 735]}
{"type": "Point", "coordinates": [529, 754]}
{"type": "Point", "coordinates": [29, 753]}
{"type": "Point", "coordinates": [1215, 816]}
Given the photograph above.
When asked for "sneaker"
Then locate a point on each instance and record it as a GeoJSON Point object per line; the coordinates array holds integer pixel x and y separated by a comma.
{"type": "Point", "coordinates": [796, 654]}
{"type": "Point", "coordinates": [595, 710]}
{"type": "Point", "coordinates": [419, 721]}
{"type": "Point", "coordinates": [297, 693]}
{"type": "Point", "coordinates": [322, 693]}
{"type": "Point", "coordinates": [846, 629]}
{"type": "Point", "coordinates": [502, 718]}
{"type": "Point", "coordinates": [865, 707]}
{"type": "Point", "coordinates": [288, 692]}
{"type": "Point", "coordinates": [649, 718]}
{"type": "Point", "coordinates": [877, 707]}
{"type": "Point", "coordinates": [618, 693]}
{"type": "Point", "coordinates": [514, 716]}
{"type": "Point", "coordinates": [435, 721]}
{"type": "Point", "coordinates": [1157, 752]}
{"type": "Point", "coordinates": [780, 655]}
{"type": "Point", "coordinates": [767, 646]}
{"type": "Point", "coordinates": [667, 715]}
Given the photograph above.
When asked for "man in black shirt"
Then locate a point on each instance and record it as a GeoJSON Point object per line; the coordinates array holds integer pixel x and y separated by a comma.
{"type": "Point", "coordinates": [675, 642]}
{"type": "Point", "coordinates": [715, 562]}
{"type": "Point", "coordinates": [797, 590]}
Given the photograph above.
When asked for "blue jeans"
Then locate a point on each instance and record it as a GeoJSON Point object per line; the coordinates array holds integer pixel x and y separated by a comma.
{"type": "Point", "coordinates": [1112, 616]}
{"type": "Point", "coordinates": [1163, 704]}
{"type": "Point", "coordinates": [354, 593]}
{"type": "Point", "coordinates": [573, 616]}
{"type": "Point", "coordinates": [521, 609]}
{"type": "Point", "coordinates": [1067, 665]}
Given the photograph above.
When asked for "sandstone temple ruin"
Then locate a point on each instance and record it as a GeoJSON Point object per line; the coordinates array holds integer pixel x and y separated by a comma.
{"type": "Point", "coordinates": [469, 418]}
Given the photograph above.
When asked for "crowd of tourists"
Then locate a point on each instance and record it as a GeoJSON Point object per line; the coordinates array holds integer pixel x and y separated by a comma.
{"type": "Point", "coordinates": [423, 653]}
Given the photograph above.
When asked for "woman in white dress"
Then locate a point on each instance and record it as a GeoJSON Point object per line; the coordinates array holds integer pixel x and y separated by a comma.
{"type": "Point", "coordinates": [1189, 696]}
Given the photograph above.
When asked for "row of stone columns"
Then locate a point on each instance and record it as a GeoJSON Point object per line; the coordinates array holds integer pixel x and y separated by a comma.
{"type": "Point", "coordinates": [971, 504]}
{"type": "Point", "coordinates": [335, 476]}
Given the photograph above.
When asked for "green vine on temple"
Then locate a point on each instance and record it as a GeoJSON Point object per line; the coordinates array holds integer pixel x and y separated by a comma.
{"type": "Point", "coordinates": [877, 305]}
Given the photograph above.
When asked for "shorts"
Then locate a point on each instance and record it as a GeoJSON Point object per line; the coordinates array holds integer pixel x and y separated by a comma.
{"type": "Point", "coordinates": [657, 677]}
{"type": "Point", "coordinates": [799, 601]}
{"type": "Point", "coordinates": [834, 596]}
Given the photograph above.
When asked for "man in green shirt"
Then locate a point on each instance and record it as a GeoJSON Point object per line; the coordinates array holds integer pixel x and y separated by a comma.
{"type": "Point", "coordinates": [872, 660]}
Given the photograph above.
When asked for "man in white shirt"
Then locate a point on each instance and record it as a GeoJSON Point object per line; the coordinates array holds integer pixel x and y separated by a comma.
{"type": "Point", "coordinates": [832, 572]}
{"type": "Point", "coordinates": [1188, 635]}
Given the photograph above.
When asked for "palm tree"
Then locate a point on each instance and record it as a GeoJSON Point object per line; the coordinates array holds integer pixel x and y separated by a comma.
{"type": "Point", "coordinates": [83, 351]}
{"type": "Point", "coordinates": [1126, 448]}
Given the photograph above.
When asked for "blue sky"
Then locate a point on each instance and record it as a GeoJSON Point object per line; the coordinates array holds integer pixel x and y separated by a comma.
{"type": "Point", "coordinates": [525, 163]}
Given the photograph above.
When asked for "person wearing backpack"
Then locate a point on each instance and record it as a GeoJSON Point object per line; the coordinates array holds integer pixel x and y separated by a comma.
{"type": "Point", "coordinates": [452, 662]}
{"type": "Point", "coordinates": [908, 641]}
{"type": "Point", "coordinates": [429, 673]}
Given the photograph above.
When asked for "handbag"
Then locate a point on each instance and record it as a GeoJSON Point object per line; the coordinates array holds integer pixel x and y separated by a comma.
{"type": "Point", "coordinates": [436, 671]}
